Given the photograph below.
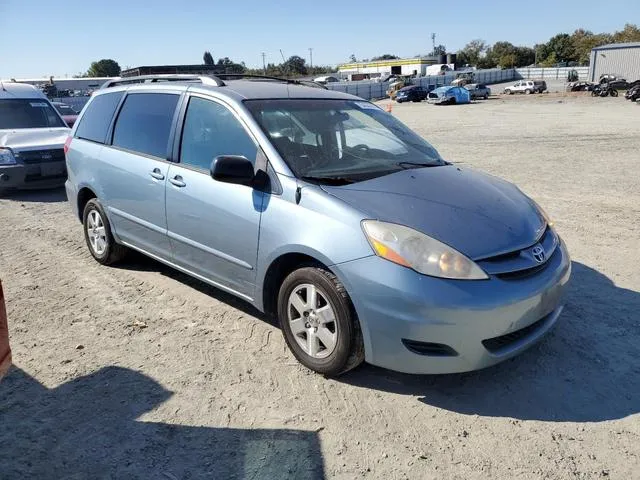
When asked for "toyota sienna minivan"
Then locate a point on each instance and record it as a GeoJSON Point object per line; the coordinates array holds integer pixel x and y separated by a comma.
{"type": "Point", "coordinates": [322, 210]}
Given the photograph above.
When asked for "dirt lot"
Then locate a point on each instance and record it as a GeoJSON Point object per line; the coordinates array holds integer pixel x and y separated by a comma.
{"type": "Point", "coordinates": [140, 372]}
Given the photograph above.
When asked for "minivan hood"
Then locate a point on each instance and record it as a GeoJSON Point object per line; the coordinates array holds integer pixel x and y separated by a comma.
{"type": "Point", "coordinates": [477, 214]}
{"type": "Point", "coordinates": [33, 138]}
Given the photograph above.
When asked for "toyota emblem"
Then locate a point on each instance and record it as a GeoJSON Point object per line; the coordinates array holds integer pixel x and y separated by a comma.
{"type": "Point", "coordinates": [538, 254]}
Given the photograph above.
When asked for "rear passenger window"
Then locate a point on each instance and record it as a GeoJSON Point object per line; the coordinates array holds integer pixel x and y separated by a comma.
{"type": "Point", "coordinates": [144, 123]}
{"type": "Point", "coordinates": [210, 130]}
{"type": "Point", "coordinates": [95, 121]}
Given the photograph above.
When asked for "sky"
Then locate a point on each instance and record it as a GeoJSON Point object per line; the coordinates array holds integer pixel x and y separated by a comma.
{"type": "Point", "coordinates": [39, 38]}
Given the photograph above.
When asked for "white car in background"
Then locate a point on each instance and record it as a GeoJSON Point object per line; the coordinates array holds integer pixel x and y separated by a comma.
{"type": "Point", "coordinates": [527, 87]}
{"type": "Point", "coordinates": [32, 136]}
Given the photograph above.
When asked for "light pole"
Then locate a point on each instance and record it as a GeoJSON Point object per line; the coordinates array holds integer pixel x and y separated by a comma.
{"type": "Point", "coordinates": [311, 57]}
{"type": "Point", "coordinates": [264, 66]}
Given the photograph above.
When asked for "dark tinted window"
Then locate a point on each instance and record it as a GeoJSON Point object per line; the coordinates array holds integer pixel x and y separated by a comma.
{"type": "Point", "coordinates": [95, 121]}
{"type": "Point", "coordinates": [144, 123]}
{"type": "Point", "coordinates": [28, 113]}
{"type": "Point", "coordinates": [210, 130]}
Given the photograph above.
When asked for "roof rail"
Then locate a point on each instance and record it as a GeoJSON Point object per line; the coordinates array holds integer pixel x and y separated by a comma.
{"type": "Point", "coordinates": [239, 76]}
{"type": "Point", "coordinates": [205, 80]}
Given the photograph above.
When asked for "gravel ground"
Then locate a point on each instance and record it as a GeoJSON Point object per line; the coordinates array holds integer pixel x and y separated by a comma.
{"type": "Point", "coordinates": [140, 372]}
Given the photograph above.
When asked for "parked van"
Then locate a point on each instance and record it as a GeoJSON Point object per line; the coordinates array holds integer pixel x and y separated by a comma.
{"type": "Point", "coordinates": [32, 135]}
{"type": "Point", "coordinates": [323, 211]}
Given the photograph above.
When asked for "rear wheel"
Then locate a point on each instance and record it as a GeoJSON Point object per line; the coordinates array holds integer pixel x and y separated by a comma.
{"type": "Point", "coordinates": [613, 92]}
{"type": "Point", "coordinates": [507, 91]}
{"type": "Point", "coordinates": [97, 234]}
{"type": "Point", "coordinates": [527, 92]}
{"type": "Point", "coordinates": [318, 321]}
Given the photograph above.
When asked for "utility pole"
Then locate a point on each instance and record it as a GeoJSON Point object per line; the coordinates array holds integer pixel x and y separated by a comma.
{"type": "Point", "coordinates": [311, 57]}
{"type": "Point", "coordinates": [264, 65]}
{"type": "Point", "coordinates": [433, 41]}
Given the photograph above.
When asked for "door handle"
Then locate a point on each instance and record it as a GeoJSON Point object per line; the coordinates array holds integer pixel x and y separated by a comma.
{"type": "Point", "coordinates": [157, 174]}
{"type": "Point", "coordinates": [177, 181]}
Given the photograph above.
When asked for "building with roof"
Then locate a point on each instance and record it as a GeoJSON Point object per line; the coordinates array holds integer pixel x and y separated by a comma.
{"type": "Point", "coordinates": [417, 66]}
{"type": "Point", "coordinates": [620, 59]}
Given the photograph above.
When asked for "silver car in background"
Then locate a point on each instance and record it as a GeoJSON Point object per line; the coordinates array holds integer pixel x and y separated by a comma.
{"type": "Point", "coordinates": [323, 211]}
{"type": "Point", "coordinates": [478, 90]}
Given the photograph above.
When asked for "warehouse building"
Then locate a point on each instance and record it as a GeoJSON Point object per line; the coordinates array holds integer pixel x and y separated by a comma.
{"type": "Point", "coordinates": [417, 66]}
{"type": "Point", "coordinates": [620, 59]}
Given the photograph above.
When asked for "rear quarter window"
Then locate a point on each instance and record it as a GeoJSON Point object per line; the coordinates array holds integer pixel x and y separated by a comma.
{"type": "Point", "coordinates": [96, 119]}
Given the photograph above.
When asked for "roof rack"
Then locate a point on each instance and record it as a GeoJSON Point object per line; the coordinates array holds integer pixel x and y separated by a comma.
{"type": "Point", "coordinates": [205, 80]}
{"type": "Point", "coordinates": [214, 80]}
{"type": "Point", "coordinates": [239, 76]}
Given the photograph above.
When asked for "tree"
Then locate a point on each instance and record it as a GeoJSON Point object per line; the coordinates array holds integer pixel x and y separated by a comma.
{"type": "Point", "coordinates": [352, 58]}
{"type": "Point", "coordinates": [562, 46]}
{"type": "Point", "coordinates": [295, 65]}
{"type": "Point", "coordinates": [104, 68]}
{"type": "Point", "coordinates": [386, 56]}
{"type": "Point", "coordinates": [207, 58]}
{"type": "Point", "coordinates": [584, 40]}
{"type": "Point", "coordinates": [438, 50]}
{"type": "Point", "coordinates": [472, 52]}
{"type": "Point", "coordinates": [630, 33]}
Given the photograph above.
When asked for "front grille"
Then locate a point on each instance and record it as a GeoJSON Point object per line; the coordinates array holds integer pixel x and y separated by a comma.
{"type": "Point", "coordinates": [34, 177]}
{"type": "Point", "coordinates": [527, 272]}
{"type": "Point", "coordinates": [521, 263]}
{"type": "Point", "coordinates": [429, 349]}
{"type": "Point", "coordinates": [494, 345]}
{"type": "Point", "coordinates": [41, 156]}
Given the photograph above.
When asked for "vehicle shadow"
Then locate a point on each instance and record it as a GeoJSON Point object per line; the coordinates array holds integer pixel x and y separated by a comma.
{"type": "Point", "coordinates": [88, 428]}
{"type": "Point", "coordinates": [139, 262]}
{"type": "Point", "coordinates": [586, 370]}
{"type": "Point", "coordinates": [50, 195]}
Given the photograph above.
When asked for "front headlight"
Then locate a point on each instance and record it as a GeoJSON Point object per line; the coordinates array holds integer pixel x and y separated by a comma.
{"type": "Point", "coordinates": [412, 249]}
{"type": "Point", "coordinates": [6, 157]}
{"type": "Point", "coordinates": [544, 214]}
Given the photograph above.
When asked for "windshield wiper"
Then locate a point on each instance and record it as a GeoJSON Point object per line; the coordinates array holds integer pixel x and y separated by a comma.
{"type": "Point", "coordinates": [408, 165]}
{"type": "Point", "coordinates": [329, 180]}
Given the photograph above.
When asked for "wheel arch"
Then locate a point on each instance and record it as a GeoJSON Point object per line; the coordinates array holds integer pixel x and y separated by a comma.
{"type": "Point", "coordinates": [84, 195]}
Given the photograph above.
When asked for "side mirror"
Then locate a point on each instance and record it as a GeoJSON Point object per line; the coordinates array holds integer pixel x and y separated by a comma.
{"type": "Point", "coordinates": [233, 169]}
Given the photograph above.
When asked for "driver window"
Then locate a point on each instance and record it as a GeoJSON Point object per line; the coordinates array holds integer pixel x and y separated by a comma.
{"type": "Point", "coordinates": [210, 130]}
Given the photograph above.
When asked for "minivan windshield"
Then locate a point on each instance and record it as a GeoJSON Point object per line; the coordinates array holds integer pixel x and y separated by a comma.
{"type": "Point", "coordinates": [342, 141]}
{"type": "Point", "coordinates": [28, 113]}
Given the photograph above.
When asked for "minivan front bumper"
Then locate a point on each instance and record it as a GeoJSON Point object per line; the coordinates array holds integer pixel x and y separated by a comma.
{"type": "Point", "coordinates": [413, 323]}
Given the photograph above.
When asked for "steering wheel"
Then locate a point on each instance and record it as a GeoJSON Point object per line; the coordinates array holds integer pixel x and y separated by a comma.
{"type": "Point", "coordinates": [362, 147]}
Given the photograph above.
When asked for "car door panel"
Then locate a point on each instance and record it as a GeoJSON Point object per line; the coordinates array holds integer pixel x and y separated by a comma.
{"type": "Point", "coordinates": [134, 187]}
{"type": "Point", "coordinates": [213, 228]}
{"type": "Point", "coordinates": [135, 170]}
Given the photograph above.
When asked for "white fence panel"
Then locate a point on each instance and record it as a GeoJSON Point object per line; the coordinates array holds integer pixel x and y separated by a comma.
{"type": "Point", "coordinates": [552, 73]}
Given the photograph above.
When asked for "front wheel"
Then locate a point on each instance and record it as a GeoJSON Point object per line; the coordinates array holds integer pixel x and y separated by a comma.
{"type": "Point", "coordinates": [507, 92]}
{"type": "Point", "coordinates": [97, 234]}
{"type": "Point", "coordinates": [318, 321]}
{"type": "Point", "coordinates": [527, 92]}
{"type": "Point", "coordinates": [613, 92]}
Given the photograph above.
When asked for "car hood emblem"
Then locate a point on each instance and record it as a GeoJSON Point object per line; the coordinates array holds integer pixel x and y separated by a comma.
{"type": "Point", "coordinates": [538, 254]}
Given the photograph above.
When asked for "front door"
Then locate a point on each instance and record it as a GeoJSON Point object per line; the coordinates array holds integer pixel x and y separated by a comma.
{"type": "Point", "coordinates": [134, 171]}
{"type": "Point", "coordinates": [213, 226]}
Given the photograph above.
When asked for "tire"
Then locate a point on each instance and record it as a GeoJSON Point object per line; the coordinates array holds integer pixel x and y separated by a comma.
{"type": "Point", "coordinates": [347, 351]}
{"type": "Point", "coordinates": [613, 92]}
{"type": "Point", "coordinates": [452, 101]}
{"type": "Point", "coordinates": [102, 246]}
{"type": "Point", "coordinates": [486, 97]}
{"type": "Point", "coordinates": [527, 92]}
{"type": "Point", "coordinates": [507, 91]}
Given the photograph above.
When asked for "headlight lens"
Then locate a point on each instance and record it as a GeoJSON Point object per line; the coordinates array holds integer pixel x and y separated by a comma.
{"type": "Point", "coordinates": [544, 214]}
{"type": "Point", "coordinates": [412, 249]}
{"type": "Point", "coordinates": [6, 157]}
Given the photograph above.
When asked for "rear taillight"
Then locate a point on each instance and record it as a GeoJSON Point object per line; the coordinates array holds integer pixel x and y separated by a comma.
{"type": "Point", "coordinates": [67, 144]}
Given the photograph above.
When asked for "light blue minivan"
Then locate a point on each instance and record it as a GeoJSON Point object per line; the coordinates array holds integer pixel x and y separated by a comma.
{"type": "Point", "coordinates": [322, 210]}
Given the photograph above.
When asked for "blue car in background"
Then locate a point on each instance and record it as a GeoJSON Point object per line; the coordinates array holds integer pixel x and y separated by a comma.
{"type": "Point", "coordinates": [449, 95]}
